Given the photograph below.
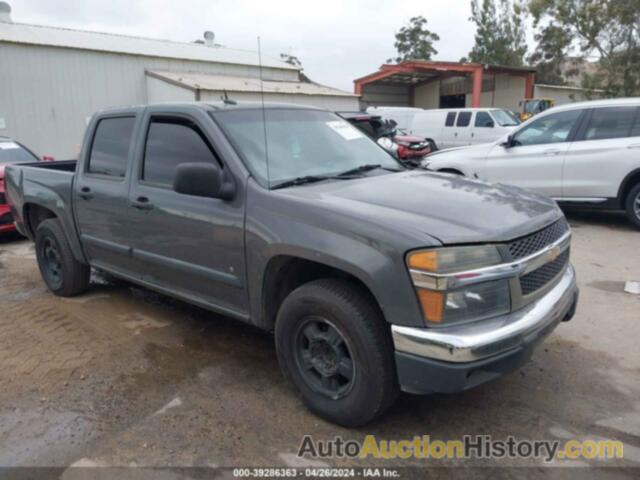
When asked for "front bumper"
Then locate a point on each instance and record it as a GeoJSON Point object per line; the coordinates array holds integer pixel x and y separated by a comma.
{"type": "Point", "coordinates": [457, 358]}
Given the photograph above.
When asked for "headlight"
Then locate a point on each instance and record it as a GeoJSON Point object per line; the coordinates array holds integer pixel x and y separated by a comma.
{"type": "Point", "coordinates": [442, 301]}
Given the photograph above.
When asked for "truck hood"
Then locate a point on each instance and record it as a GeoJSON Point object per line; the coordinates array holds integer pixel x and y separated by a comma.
{"type": "Point", "coordinates": [420, 204]}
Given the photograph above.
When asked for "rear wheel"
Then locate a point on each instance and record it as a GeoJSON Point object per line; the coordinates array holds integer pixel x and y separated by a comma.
{"type": "Point", "coordinates": [335, 347]}
{"type": "Point", "coordinates": [633, 205]}
{"type": "Point", "coordinates": [63, 274]}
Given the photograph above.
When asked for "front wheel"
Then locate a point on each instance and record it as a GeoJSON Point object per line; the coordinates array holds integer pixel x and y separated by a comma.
{"type": "Point", "coordinates": [334, 345]}
{"type": "Point", "coordinates": [64, 275]}
{"type": "Point", "coordinates": [633, 205]}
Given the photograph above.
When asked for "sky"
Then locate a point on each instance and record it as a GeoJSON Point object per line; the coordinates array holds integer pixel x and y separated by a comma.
{"type": "Point", "coordinates": [337, 41]}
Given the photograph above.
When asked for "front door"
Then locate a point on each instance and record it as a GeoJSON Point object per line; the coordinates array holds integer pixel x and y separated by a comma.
{"type": "Point", "coordinates": [535, 158]}
{"type": "Point", "coordinates": [191, 246]}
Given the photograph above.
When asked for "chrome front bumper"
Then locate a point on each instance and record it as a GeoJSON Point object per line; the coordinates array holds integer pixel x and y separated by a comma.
{"type": "Point", "coordinates": [468, 343]}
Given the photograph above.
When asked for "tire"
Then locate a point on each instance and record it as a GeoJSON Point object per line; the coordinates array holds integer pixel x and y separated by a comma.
{"type": "Point", "coordinates": [364, 339]}
{"type": "Point", "coordinates": [64, 275]}
{"type": "Point", "coordinates": [632, 205]}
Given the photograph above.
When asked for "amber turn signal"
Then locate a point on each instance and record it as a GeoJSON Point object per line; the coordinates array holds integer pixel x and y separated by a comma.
{"type": "Point", "coordinates": [432, 304]}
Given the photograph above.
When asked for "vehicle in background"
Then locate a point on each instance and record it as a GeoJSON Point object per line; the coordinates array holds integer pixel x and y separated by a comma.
{"type": "Point", "coordinates": [403, 116]}
{"type": "Point", "coordinates": [532, 106]}
{"type": "Point", "coordinates": [373, 277]}
{"type": "Point", "coordinates": [11, 152]}
{"type": "Point", "coordinates": [450, 128]}
{"type": "Point", "coordinates": [582, 154]}
{"type": "Point", "coordinates": [407, 148]}
{"type": "Point", "coordinates": [460, 127]}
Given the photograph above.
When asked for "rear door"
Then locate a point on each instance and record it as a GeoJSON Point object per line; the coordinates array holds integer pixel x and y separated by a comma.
{"type": "Point", "coordinates": [535, 159]}
{"type": "Point", "coordinates": [191, 246]}
{"type": "Point", "coordinates": [449, 132]}
{"type": "Point", "coordinates": [462, 131]}
{"type": "Point", "coordinates": [101, 191]}
{"type": "Point", "coordinates": [605, 150]}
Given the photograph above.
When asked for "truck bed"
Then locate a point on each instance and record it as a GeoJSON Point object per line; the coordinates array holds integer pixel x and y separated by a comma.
{"type": "Point", "coordinates": [61, 165]}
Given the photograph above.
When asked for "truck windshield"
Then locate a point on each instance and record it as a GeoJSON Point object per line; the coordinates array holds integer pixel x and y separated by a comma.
{"type": "Point", "coordinates": [505, 119]}
{"type": "Point", "coordinates": [11, 152]}
{"type": "Point", "coordinates": [299, 143]}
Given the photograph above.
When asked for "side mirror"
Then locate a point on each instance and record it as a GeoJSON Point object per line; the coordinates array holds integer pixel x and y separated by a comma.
{"type": "Point", "coordinates": [203, 180]}
{"type": "Point", "coordinates": [489, 124]}
{"type": "Point", "coordinates": [508, 143]}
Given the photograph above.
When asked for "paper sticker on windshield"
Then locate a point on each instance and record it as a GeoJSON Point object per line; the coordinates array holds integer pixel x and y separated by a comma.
{"type": "Point", "coordinates": [345, 130]}
{"type": "Point", "coordinates": [8, 146]}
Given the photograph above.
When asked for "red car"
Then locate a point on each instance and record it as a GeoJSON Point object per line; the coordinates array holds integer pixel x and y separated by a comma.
{"type": "Point", "coordinates": [10, 152]}
{"type": "Point", "coordinates": [407, 148]}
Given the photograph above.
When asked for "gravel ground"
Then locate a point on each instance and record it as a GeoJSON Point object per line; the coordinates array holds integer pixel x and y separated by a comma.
{"type": "Point", "coordinates": [121, 376]}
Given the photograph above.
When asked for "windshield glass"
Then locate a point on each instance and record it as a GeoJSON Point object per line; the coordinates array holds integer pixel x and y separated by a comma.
{"type": "Point", "coordinates": [505, 118]}
{"type": "Point", "coordinates": [11, 152]}
{"type": "Point", "coordinates": [299, 143]}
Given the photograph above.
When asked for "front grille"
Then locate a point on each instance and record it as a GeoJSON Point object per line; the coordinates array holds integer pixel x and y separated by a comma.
{"type": "Point", "coordinates": [530, 244]}
{"type": "Point", "coordinates": [541, 276]}
{"type": "Point", "coordinates": [6, 219]}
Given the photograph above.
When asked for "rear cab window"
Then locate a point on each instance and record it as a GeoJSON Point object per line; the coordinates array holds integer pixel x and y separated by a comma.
{"type": "Point", "coordinates": [450, 120]}
{"type": "Point", "coordinates": [170, 142]}
{"type": "Point", "coordinates": [110, 147]}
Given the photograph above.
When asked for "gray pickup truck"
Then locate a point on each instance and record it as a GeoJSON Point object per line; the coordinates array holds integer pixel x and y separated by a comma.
{"type": "Point", "coordinates": [373, 278]}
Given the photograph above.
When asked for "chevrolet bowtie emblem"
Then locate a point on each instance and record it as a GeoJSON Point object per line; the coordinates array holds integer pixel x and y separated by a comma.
{"type": "Point", "coordinates": [553, 253]}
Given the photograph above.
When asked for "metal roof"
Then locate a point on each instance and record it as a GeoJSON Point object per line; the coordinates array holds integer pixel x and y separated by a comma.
{"type": "Point", "coordinates": [204, 81]}
{"type": "Point", "coordinates": [109, 42]}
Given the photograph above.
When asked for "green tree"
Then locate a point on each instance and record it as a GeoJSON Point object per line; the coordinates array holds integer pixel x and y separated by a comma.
{"type": "Point", "coordinates": [415, 42]}
{"type": "Point", "coordinates": [551, 54]}
{"type": "Point", "coordinates": [608, 30]}
{"type": "Point", "coordinates": [500, 32]}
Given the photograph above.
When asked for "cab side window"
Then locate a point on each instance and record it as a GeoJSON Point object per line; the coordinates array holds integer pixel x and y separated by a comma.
{"type": "Point", "coordinates": [611, 122]}
{"type": "Point", "coordinates": [464, 118]}
{"type": "Point", "coordinates": [451, 119]}
{"type": "Point", "coordinates": [484, 120]}
{"type": "Point", "coordinates": [170, 142]}
{"type": "Point", "coordinates": [554, 128]}
{"type": "Point", "coordinates": [110, 147]}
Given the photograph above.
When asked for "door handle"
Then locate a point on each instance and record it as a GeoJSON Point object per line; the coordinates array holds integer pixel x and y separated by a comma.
{"type": "Point", "coordinates": [552, 151]}
{"type": "Point", "coordinates": [142, 203]}
{"type": "Point", "coordinates": [455, 134]}
{"type": "Point", "coordinates": [85, 193]}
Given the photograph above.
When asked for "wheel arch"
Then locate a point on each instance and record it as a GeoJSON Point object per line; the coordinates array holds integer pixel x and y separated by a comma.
{"type": "Point", "coordinates": [284, 273]}
{"type": "Point", "coordinates": [632, 179]}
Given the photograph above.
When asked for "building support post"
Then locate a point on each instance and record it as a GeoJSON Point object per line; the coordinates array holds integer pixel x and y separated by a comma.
{"type": "Point", "coordinates": [528, 86]}
{"type": "Point", "coordinates": [477, 88]}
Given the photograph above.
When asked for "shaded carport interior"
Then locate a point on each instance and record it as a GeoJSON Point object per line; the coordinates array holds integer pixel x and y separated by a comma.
{"type": "Point", "coordinates": [424, 83]}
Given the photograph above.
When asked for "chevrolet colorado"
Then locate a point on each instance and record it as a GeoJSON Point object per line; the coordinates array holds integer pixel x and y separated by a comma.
{"type": "Point", "coordinates": [373, 278]}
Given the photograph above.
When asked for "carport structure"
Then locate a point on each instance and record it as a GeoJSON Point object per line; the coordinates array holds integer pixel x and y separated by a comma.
{"type": "Point", "coordinates": [427, 84]}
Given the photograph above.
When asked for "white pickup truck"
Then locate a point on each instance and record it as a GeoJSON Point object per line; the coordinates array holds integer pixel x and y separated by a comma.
{"type": "Point", "coordinates": [583, 154]}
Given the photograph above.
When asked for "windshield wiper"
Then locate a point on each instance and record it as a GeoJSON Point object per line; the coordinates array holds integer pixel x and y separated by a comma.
{"type": "Point", "coordinates": [301, 181]}
{"type": "Point", "coordinates": [367, 168]}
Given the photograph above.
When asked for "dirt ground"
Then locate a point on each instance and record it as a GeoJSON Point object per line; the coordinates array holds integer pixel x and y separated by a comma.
{"type": "Point", "coordinates": [126, 377]}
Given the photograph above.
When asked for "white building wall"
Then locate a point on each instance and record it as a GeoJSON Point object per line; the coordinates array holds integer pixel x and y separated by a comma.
{"type": "Point", "coordinates": [159, 91]}
{"type": "Point", "coordinates": [48, 93]}
{"type": "Point", "coordinates": [563, 95]}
